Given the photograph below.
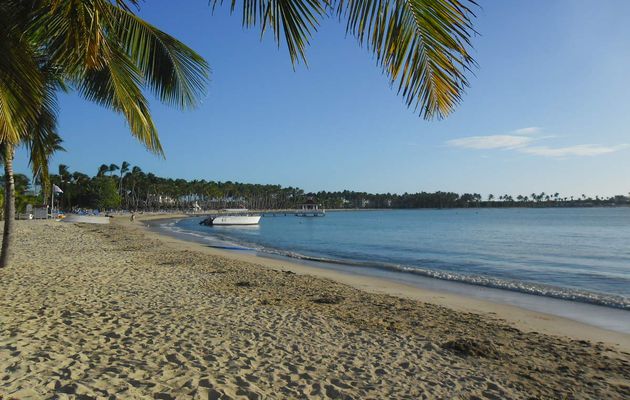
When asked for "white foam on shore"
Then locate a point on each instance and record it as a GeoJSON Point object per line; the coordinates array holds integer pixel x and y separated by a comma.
{"type": "Point", "coordinates": [603, 310]}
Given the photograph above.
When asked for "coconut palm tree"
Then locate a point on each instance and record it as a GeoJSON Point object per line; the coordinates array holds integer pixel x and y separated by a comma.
{"type": "Point", "coordinates": [40, 138]}
{"type": "Point", "coordinates": [103, 51]}
{"type": "Point", "coordinates": [124, 168]}
{"type": "Point", "coordinates": [136, 177]}
{"type": "Point", "coordinates": [64, 180]}
{"type": "Point", "coordinates": [64, 171]}
{"type": "Point", "coordinates": [41, 148]}
{"type": "Point", "coordinates": [42, 145]}
{"type": "Point", "coordinates": [112, 168]}
{"type": "Point", "coordinates": [26, 109]}
{"type": "Point", "coordinates": [102, 170]}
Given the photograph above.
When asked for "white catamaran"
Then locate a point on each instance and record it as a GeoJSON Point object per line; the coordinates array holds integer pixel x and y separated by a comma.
{"type": "Point", "coordinates": [239, 216]}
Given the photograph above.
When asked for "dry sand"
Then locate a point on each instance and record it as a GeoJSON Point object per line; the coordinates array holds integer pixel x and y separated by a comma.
{"type": "Point", "coordinates": [113, 312]}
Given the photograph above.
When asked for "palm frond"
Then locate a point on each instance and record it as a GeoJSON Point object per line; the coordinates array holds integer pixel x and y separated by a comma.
{"type": "Point", "coordinates": [175, 73]}
{"type": "Point", "coordinates": [43, 140]}
{"type": "Point", "coordinates": [118, 86]}
{"type": "Point", "coordinates": [110, 55]}
{"type": "Point", "coordinates": [293, 21]}
{"type": "Point", "coordinates": [85, 33]}
{"type": "Point", "coordinates": [422, 45]}
{"type": "Point", "coordinates": [128, 4]}
{"type": "Point", "coordinates": [21, 84]}
{"type": "Point", "coordinates": [73, 32]}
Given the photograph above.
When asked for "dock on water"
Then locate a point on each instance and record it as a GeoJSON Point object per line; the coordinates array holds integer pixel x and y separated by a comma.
{"type": "Point", "coordinates": [308, 209]}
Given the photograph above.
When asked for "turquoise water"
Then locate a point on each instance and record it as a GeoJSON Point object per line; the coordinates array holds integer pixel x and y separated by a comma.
{"type": "Point", "coordinates": [580, 254]}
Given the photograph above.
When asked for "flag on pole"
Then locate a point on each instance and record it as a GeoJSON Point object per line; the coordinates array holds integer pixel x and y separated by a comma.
{"type": "Point", "coordinates": [57, 189]}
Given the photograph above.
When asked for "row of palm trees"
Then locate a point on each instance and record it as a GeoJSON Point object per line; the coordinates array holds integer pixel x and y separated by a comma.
{"type": "Point", "coordinates": [107, 54]}
{"type": "Point", "coordinates": [136, 190]}
{"type": "Point", "coordinates": [146, 191]}
{"type": "Point", "coordinates": [556, 198]}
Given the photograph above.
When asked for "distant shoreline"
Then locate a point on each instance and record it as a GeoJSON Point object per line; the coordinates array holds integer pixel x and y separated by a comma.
{"type": "Point", "coordinates": [333, 210]}
{"type": "Point", "coordinates": [473, 208]}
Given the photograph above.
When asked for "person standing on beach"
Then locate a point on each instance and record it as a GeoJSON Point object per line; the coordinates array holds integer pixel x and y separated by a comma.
{"type": "Point", "coordinates": [133, 217]}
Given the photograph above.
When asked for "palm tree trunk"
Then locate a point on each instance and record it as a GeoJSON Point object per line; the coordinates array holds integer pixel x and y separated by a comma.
{"type": "Point", "coordinates": [9, 205]}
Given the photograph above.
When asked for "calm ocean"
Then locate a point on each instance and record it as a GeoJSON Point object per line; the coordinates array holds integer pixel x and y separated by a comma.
{"type": "Point", "coordinates": [578, 254]}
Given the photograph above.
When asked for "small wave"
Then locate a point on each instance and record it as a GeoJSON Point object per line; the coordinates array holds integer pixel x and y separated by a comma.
{"type": "Point", "coordinates": [583, 296]}
{"type": "Point", "coordinates": [557, 292]}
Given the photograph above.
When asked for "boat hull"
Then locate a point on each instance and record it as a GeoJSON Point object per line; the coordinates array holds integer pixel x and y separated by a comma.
{"type": "Point", "coordinates": [235, 220]}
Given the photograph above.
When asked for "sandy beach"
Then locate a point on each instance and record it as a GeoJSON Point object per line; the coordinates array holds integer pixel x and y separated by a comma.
{"type": "Point", "coordinates": [117, 312]}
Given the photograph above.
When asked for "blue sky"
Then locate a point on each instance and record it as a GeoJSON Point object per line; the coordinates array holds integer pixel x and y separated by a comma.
{"type": "Point", "coordinates": [548, 109]}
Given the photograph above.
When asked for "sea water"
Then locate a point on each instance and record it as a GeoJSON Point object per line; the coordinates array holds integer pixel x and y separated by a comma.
{"type": "Point", "coordinates": [576, 254]}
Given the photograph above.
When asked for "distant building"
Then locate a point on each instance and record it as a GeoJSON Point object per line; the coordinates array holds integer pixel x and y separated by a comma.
{"type": "Point", "coordinates": [39, 211]}
{"type": "Point", "coordinates": [310, 208]}
{"type": "Point", "coordinates": [161, 199]}
{"type": "Point", "coordinates": [309, 205]}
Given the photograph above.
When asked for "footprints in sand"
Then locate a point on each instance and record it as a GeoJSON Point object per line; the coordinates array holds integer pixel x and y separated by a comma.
{"type": "Point", "coordinates": [121, 316]}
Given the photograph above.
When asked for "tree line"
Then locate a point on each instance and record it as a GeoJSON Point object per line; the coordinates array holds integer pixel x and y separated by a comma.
{"type": "Point", "coordinates": [126, 187]}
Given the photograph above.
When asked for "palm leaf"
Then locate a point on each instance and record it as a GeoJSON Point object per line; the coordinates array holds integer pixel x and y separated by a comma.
{"type": "Point", "coordinates": [176, 74]}
{"type": "Point", "coordinates": [83, 34]}
{"type": "Point", "coordinates": [118, 86]}
{"type": "Point", "coordinates": [73, 32]}
{"type": "Point", "coordinates": [110, 55]}
{"type": "Point", "coordinates": [42, 140]}
{"type": "Point", "coordinates": [421, 45]}
{"type": "Point", "coordinates": [291, 21]}
{"type": "Point", "coordinates": [21, 84]}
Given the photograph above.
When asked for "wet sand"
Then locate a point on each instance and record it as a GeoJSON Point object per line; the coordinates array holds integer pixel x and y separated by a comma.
{"type": "Point", "coordinates": [114, 311]}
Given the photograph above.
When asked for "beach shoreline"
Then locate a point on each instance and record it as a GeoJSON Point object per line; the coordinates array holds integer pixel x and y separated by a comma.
{"type": "Point", "coordinates": [520, 317]}
{"type": "Point", "coordinates": [116, 311]}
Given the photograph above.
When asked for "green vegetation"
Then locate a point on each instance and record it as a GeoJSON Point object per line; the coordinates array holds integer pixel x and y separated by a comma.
{"type": "Point", "coordinates": [104, 193]}
{"type": "Point", "coordinates": [146, 191]}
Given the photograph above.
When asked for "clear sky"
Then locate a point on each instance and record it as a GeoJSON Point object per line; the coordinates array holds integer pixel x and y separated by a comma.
{"type": "Point", "coordinates": [548, 109]}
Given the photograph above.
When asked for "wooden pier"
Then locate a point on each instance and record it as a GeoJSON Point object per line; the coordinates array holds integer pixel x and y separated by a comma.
{"type": "Point", "coordinates": [297, 213]}
{"type": "Point", "coordinates": [269, 213]}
